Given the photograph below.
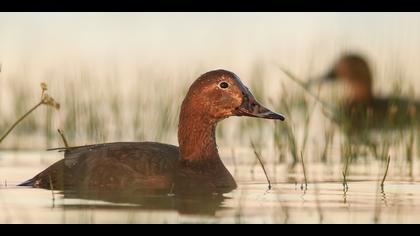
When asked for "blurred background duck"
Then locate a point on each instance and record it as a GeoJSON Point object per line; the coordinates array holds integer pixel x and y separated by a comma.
{"type": "Point", "coordinates": [361, 108]}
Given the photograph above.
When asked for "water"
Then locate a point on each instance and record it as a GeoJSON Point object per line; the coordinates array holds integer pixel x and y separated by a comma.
{"type": "Point", "coordinates": [324, 201]}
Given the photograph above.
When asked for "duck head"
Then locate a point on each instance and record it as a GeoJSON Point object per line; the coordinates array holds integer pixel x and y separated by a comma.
{"type": "Point", "coordinates": [212, 97]}
{"type": "Point", "coordinates": [220, 94]}
{"type": "Point", "coordinates": [354, 70]}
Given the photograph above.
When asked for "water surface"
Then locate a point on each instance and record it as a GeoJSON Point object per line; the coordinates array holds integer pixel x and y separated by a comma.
{"type": "Point", "coordinates": [324, 201]}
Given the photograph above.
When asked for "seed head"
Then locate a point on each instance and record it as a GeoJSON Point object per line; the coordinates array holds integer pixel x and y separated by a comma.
{"type": "Point", "coordinates": [49, 101]}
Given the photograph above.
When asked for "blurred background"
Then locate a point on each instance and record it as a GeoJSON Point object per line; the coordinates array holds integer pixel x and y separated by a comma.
{"type": "Point", "coordinates": [122, 76]}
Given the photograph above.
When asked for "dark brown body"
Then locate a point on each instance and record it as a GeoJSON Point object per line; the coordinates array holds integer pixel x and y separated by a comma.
{"type": "Point", "coordinates": [362, 108]}
{"type": "Point", "coordinates": [380, 113]}
{"type": "Point", "coordinates": [138, 166]}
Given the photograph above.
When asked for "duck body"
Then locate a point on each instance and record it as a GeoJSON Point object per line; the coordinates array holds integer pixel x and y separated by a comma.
{"type": "Point", "coordinates": [380, 113]}
{"type": "Point", "coordinates": [362, 109]}
{"type": "Point", "coordinates": [139, 166]}
{"type": "Point", "coordinates": [193, 167]}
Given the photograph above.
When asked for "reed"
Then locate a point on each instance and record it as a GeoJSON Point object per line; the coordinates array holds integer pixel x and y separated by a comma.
{"type": "Point", "coordinates": [329, 110]}
{"type": "Point", "coordinates": [386, 172]}
{"type": "Point", "coordinates": [291, 137]}
{"type": "Point", "coordinates": [409, 149]}
{"type": "Point", "coordinates": [328, 140]}
{"type": "Point", "coordinates": [280, 140]}
{"type": "Point", "coordinates": [348, 155]}
{"type": "Point", "coordinates": [66, 144]}
{"type": "Point", "coordinates": [45, 100]}
{"type": "Point", "coordinates": [258, 156]}
{"type": "Point", "coordinates": [304, 170]}
{"type": "Point", "coordinates": [308, 115]}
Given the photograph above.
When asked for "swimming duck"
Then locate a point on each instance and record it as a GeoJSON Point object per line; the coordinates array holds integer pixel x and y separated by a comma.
{"type": "Point", "coordinates": [194, 166]}
{"type": "Point", "coordinates": [362, 108]}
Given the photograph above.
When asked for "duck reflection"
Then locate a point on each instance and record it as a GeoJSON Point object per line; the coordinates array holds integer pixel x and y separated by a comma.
{"type": "Point", "coordinates": [193, 204]}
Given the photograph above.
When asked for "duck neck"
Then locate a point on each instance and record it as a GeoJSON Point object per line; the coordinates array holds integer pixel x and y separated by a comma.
{"type": "Point", "coordinates": [197, 137]}
{"type": "Point", "coordinates": [362, 93]}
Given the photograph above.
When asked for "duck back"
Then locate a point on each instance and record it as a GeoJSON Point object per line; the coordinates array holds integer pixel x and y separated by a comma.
{"type": "Point", "coordinates": [116, 166]}
{"type": "Point", "coordinates": [381, 113]}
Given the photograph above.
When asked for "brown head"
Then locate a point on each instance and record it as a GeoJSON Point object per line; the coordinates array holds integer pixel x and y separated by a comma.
{"type": "Point", "coordinates": [214, 96]}
{"type": "Point", "coordinates": [354, 70]}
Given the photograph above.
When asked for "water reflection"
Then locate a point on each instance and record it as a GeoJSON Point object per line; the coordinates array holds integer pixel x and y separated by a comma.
{"type": "Point", "coordinates": [183, 204]}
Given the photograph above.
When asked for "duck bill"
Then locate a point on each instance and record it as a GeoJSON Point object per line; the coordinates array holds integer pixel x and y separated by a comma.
{"type": "Point", "coordinates": [328, 77]}
{"type": "Point", "coordinates": [261, 113]}
{"type": "Point", "coordinates": [331, 75]}
{"type": "Point", "coordinates": [250, 107]}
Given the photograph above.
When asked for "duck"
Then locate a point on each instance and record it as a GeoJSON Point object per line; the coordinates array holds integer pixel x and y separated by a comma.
{"type": "Point", "coordinates": [194, 166]}
{"type": "Point", "coordinates": [362, 108]}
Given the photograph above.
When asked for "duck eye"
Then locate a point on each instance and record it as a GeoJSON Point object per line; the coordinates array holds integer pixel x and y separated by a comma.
{"type": "Point", "coordinates": [223, 85]}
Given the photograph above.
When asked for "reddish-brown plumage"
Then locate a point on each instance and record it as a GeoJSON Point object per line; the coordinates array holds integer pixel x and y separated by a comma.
{"type": "Point", "coordinates": [193, 167]}
{"type": "Point", "coordinates": [362, 108]}
{"type": "Point", "coordinates": [355, 70]}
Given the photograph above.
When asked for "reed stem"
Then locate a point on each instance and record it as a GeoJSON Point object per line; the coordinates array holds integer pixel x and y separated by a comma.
{"type": "Point", "coordinates": [19, 120]}
{"type": "Point", "coordinates": [386, 172]}
{"type": "Point", "coordinates": [66, 144]}
{"type": "Point", "coordinates": [304, 170]}
{"type": "Point", "coordinates": [262, 165]}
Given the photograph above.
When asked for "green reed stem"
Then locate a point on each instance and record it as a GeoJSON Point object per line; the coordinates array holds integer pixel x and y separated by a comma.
{"type": "Point", "coordinates": [262, 165]}
{"type": "Point", "coordinates": [386, 171]}
{"type": "Point", "coordinates": [304, 170]}
{"type": "Point", "coordinates": [345, 172]}
{"type": "Point", "coordinates": [19, 120]}
{"type": "Point", "coordinates": [66, 144]}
